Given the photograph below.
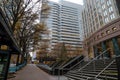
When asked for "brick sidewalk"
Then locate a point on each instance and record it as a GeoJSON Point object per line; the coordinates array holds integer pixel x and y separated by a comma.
{"type": "Point", "coordinates": [31, 72]}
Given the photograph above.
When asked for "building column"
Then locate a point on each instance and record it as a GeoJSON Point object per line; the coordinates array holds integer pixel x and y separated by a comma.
{"type": "Point", "coordinates": [91, 52]}
{"type": "Point", "coordinates": [103, 45]}
{"type": "Point", "coordinates": [116, 46]}
{"type": "Point", "coordinates": [95, 51]}
{"type": "Point", "coordinates": [7, 65]}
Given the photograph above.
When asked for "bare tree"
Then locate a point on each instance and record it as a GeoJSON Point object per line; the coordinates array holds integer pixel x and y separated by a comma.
{"type": "Point", "coordinates": [60, 51]}
{"type": "Point", "coordinates": [16, 9]}
{"type": "Point", "coordinates": [23, 16]}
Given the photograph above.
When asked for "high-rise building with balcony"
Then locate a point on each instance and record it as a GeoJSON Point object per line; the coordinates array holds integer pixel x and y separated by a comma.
{"type": "Point", "coordinates": [100, 25]}
{"type": "Point", "coordinates": [65, 24]}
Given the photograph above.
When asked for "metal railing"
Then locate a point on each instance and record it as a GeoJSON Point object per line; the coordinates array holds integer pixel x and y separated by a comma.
{"type": "Point", "coordinates": [91, 66]}
{"type": "Point", "coordinates": [104, 69]}
{"type": "Point", "coordinates": [97, 66]}
{"type": "Point", "coordinates": [72, 60]}
{"type": "Point", "coordinates": [95, 59]}
{"type": "Point", "coordinates": [61, 69]}
{"type": "Point", "coordinates": [79, 63]}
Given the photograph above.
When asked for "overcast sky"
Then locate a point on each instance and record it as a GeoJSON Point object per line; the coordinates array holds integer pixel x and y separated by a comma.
{"type": "Point", "coordinates": [75, 1]}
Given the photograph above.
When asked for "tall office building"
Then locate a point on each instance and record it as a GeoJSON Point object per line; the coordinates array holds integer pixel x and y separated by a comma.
{"type": "Point", "coordinates": [98, 13]}
{"type": "Point", "coordinates": [65, 24]}
{"type": "Point", "coordinates": [99, 22]}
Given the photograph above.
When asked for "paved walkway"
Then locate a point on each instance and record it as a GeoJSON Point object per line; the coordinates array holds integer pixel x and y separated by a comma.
{"type": "Point", "coordinates": [31, 72]}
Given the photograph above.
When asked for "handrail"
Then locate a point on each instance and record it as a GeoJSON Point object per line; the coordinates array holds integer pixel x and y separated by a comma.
{"type": "Point", "coordinates": [104, 69]}
{"type": "Point", "coordinates": [77, 63]}
{"type": "Point", "coordinates": [94, 59]}
{"type": "Point", "coordinates": [72, 61]}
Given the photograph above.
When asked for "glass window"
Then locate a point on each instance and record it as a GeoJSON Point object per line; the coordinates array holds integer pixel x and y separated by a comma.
{"type": "Point", "coordinates": [106, 20]}
{"type": "Point", "coordinates": [98, 36]}
{"type": "Point", "coordinates": [102, 1]}
{"type": "Point", "coordinates": [108, 31]}
{"type": "Point", "coordinates": [97, 0]}
{"type": "Point", "coordinates": [103, 7]}
{"type": "Point", "coordinates": [105, 13]}
{"type": "Point", "coordinates": [109, 1]}
{"type": "Point", "coordinates": [112, 16]}
{"type": "Point", "coordinates": [102, 34]}
{"type": "Point", "coordinates": [110, 9]}
{"type": "Point", "coordinates": [114, 28]}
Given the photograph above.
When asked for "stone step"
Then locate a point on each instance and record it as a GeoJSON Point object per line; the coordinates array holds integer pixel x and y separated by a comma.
{"type": "Point", "coordinates": [87, 75]}
{"type": "Point", "coordinates": [108, 73]}
{"type": "Point", "coordinates": [77, 77]}
{"type": "Point", "coordinates": [74, 77]}
{"type": "Point", "coordinates": [88, 72]}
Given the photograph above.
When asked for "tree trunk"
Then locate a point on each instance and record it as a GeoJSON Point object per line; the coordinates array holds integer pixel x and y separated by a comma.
{"type": "Point", "coordinates": [22, 58]}
{"type": "Point", "coordinates": [17, 63]}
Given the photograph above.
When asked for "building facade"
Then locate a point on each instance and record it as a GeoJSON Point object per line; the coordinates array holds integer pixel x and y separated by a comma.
{"type": "Point", "coordinates": [100, 23]}
{"type": "Point", "coordinates": [65, 24]}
